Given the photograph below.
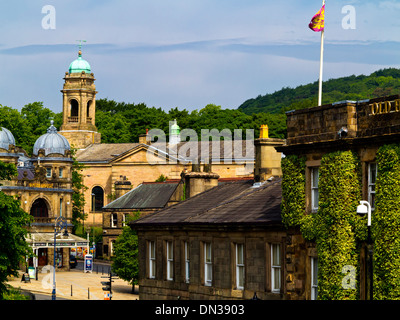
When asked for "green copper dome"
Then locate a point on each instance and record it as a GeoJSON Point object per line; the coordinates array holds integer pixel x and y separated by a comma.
{"type": "Point", "coordinates": [79, 65]}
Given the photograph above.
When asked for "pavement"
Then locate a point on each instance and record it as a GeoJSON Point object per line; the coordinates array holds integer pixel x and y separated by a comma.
{"type": "Point", "coordinates": [75, 285]}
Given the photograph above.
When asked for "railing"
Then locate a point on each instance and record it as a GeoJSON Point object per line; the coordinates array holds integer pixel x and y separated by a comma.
{"type": "Point", "coordinates": [73, 119]}
{"type": "Point", "coordinates": [43, 220]}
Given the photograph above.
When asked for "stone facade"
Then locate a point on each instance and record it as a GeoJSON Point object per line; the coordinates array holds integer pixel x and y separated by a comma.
{"type": "Point", "coordinates": [257, 250]}
{"type": "Point", "coordinates": [44, 188]}
{"type": "Point", "coordinates": [360, 126]}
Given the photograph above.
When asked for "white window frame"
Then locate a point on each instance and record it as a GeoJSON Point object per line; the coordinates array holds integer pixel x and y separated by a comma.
{"type": "Point", "coordinates": [276, 268]}
{"type": "Point", "coordinates": [48, 172]}
{"type": "Point", "coordinates": [207, 264]}
{"type": "Point", "coordinates": [187, 261]}
{"type": "Point", "coordinates": [152, 259]}
{"type": "Point", "coordinates": [240, 267]}
{"type": "Point", "coordinates": [114, 224]}
{"type": "Point", "coordinates": [314, 278]}
{"type": "Point", "coordinates": [371, 183]}
{"type": "Point", "coordinates": [314, 189]}
{"type": "Point", "coordinates": [60, 172]}
{"type": "Point", "coordinates": [170, 260]}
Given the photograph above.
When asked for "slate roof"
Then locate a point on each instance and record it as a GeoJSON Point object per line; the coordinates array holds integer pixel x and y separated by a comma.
{"type": "Point", "coordinates": [103, 152]}
{"type": "Point", "coordinates": [146, 196]}
{"type": "Point", "coordinates": [236, 149]}
{"type": "Point", "coordinates": [28, 175]}
{"type": "Point", "coordinates": [230, 203]}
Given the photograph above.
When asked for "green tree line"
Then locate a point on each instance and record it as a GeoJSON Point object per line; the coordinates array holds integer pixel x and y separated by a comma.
{"type": "Point", "coordinates": [120, 122]}
{"type": "Point", "coordinates": [380, 83]}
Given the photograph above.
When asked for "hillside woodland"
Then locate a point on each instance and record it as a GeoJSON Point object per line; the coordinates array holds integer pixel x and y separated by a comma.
{"type": "Point", "coordinates": [120, 122]}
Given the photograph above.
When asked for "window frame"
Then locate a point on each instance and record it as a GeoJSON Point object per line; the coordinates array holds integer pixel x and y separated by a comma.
{"type": "Point", "coordinates": [114, 222]}
{"type": "Point", "coordinates": [186, 249]}
{"type": "Point", "coordinates": [152, 259]}
{"type": "Point", "coordinates": [314, 276]}
{"type": "Point", "coordinates": [240, 266]}
{"type": "Point", "coordinates": [276, 269]}
{"type": "Point", "coordinates": [170, 260]}
{"type": "Point", "coordinates": [314, 189]}
{"type": "Point", "coordinates": [372, 185]}
{"type": "Point", "coordinates": [207, 264]}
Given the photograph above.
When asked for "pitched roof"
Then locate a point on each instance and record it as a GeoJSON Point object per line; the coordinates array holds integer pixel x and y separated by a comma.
{"type": "Point", "coordinates": [145, 196]}
{"type": "Point", "coordinates": [236, 149]}
{"type": "Point", "coordinates": [228, 203]}
{"type": "Point", "coordinates": [103, 152]}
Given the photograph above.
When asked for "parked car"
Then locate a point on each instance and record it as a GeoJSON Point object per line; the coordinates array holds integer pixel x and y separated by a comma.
{"type": "Point", "coordinates": [72, 261]}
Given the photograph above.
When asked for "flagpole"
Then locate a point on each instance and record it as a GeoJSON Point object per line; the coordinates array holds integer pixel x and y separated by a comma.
{"type": "Point", "coordinates": [321, 62]}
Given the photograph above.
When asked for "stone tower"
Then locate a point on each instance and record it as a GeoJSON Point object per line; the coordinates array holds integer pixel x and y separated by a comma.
{"type": "Point", "coordinates": [79, 105]}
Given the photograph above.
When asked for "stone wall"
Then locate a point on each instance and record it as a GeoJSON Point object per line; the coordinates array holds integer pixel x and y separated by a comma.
{"type": "Point", "coordinates": [257, 265]}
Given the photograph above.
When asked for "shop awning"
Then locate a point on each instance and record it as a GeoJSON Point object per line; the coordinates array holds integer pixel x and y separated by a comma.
{"type": "Point", "coordinates": [46, 240]}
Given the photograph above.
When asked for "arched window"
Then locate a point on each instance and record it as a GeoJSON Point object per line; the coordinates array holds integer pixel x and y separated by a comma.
{"type": "Point", "coordinates": [89, 104]}
{"type": "Point", "coordinates": [39, 209]}
{"type": "Point", "coordinates": [74, 108]}
{"type": "Point", "coordinates": [97, 199]}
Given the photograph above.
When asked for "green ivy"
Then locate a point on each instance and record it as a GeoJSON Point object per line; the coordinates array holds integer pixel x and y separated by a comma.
{"type": "Point", "coordinates": [293, 190]}
{"type": "Point", "coordinates": [386, 224]}
{"type": "Point", "coordinates": [335, 227]}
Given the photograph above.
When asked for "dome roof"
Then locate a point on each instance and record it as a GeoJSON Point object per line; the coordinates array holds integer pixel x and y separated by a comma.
{"type": "Point", "coordinates": [6, 138]}
{"type": "Point", "coordinates": [51, 142]}
{"type": "Point", "coordinates": [175, 129]}
{"type": "Point", "coordinates": [79, 65]}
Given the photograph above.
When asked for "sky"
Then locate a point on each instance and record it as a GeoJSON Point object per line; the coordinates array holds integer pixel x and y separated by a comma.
{"type": "Point", "coordinates": [188, 53]}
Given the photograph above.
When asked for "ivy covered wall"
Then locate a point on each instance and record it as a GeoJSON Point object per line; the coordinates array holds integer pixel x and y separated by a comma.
{"type": "Point", "coordinates": [335, 227]}
{"type": "Point", "coordinates": [385, 224]}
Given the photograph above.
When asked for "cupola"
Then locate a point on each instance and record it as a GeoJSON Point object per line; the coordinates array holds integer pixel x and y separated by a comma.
{"type": "Point", "coordinates": [6, 139]}
{"type": "Point", "coordinates": [51, 142]}
{"type": "Point", "coordinates": [79, 65]}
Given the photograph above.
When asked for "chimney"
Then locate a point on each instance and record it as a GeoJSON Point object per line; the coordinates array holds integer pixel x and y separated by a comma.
{"type": "Point", "coordinates": [144, 138]}
{"type": "Point", "coordinates": [268, 160]}
{"type": "Point", "coordinates": [122, 186]}
{"type": "Point", "coordinates": [197, 181]}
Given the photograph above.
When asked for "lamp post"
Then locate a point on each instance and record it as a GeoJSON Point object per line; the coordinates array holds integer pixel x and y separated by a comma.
{"type": "Point", "coordinates": [365, 208]}
{"type": "Point", "coordinates": [59, 225]}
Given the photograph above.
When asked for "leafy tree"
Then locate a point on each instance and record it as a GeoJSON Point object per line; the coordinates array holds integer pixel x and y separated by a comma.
{"type": "Point", "coordinates": [13, 223]}
{"type": "Point", "coordinates": [78, 198]}
{"type": "Point", "coordinates": [126, 262]}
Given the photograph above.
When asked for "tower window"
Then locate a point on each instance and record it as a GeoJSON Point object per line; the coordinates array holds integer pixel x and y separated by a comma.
{"type": "Point", "coordinates": [89, 104]}
{"type": "Point", "coordinates": [74, 108]}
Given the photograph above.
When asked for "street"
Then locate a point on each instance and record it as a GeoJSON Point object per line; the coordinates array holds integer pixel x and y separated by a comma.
{"type": "Point", "coordinates": [76, 284]}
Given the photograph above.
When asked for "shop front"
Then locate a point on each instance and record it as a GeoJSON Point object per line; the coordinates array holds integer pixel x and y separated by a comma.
{"type": "Point", "coordinates": [43, 245]}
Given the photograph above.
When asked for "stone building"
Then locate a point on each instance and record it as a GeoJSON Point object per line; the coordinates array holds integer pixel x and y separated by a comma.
{"type": "Point", "coordinates": [140, 161]}
{"type": "Point", "coordinates": [146, 198]}
{"type": "Point", "coordinates": [358, 126]}
{"type": "Point", "coordinates": [226, 241]}
{"type": "Point", "coordinates": [44, 188]}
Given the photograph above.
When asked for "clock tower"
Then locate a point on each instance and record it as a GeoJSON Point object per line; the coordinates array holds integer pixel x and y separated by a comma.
{"type": "Point", "coordinates": [79, 105]}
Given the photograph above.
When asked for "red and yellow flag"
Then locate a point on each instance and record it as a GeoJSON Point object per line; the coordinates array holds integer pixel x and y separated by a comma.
{"type": "Point", "coordinates": [318, 21]}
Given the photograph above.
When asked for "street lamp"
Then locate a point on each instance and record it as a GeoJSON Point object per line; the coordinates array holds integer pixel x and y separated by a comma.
{"type": "Point", "coordinates": [365, 208]}
{"type": "Point", "coordinates": [59, 225]}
